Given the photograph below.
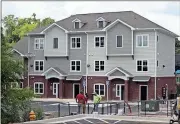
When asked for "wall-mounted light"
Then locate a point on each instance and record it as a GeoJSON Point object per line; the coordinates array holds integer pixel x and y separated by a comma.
{"type": "Point", "coordinates": [163, 66]}
{"type": "Point", "coordinates": [31, 65]}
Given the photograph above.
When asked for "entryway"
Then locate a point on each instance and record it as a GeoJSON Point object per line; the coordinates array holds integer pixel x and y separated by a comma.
{"type": "Point", "coordinates": [143, 90]}
{"type": "Point", "coordinates": [56, 89]}
{"type": "Point", "coordinates": [120, 91]}
{"type": "Point", "coordinates": [76, 89]}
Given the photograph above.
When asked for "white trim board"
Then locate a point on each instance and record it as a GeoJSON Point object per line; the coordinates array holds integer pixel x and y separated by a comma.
{"type": "Point", "coordinates": [51, 26]}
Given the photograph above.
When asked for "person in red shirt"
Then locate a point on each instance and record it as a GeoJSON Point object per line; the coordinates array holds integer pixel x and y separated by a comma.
{"type": "Point", "coordinates": [81, 100]}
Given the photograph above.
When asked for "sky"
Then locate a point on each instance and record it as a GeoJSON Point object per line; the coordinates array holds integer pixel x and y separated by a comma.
{"type": "Point", "coordinates": [164, 13]}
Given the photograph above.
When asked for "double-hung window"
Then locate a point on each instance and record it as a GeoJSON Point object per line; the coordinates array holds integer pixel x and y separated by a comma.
{"type": "Point", "coordinates": [75, 43]}
{"type": "Point", "coordinates": [99, 89]}
{"type": "Point", "coordinates": [39, 65]}
{"type": "Point", "coordinates": [76, 25]}
{"type": "Point", "coordinates": [142, 65]}
{"type": "Point", "coordinates": [75, 65]}
{"type": "Point", "coordinates": [101, 24]}
{"type": "Point", "coordinates": [39, 44]}
{"type": "Point", "coordinates": [142, 40]}
{"type": "Point", "coordinates": [99, 41]}
{"type": "Point", "coordinates": [99, 65]}
{"type": "Point", "coordinates": [38, 88]}
{"type": "Point", "coordinates": [55, 43]}
{"type": "Point", "coordinates": [119, 41]}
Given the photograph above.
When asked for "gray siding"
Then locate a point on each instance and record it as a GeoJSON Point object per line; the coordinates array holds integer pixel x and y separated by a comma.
{"type": "Point", "coordinates": [55, 32]}
{"type": "Point", "coordinates": [165, 55]}
{"type": "Point", "coordinates": [119, 29]}
{"type": "Point", "coordinates": [117, 73]}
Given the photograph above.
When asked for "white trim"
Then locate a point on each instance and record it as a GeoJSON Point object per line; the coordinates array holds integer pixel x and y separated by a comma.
{"type": "Point", "coordinates": [75, 25]}
{"type": "Point", "coordinates": [118, 20]}
{"type": "Point", "coordinates": [53, 70]}
{"type": "Point", "coordinates": [120, 77]}
{"type": "Point", "coordinates": [113, 70]}
{"type": "Point", "coordinates": [155, 79]}
{"type": "Point", "coordinates": [75, 65]}
{"type": "Point", "coordinates": [132, 34]}
{"type": "Point", "coordinates": [100, 19]}
{"type": "Point", "coordinates": [99, 65]}
{"type": "Point", "coordinates": [116, 41]}
{"type": "Point", "coordinates": [39, 66]}
{"type": "Point", "coordinates": [75, 43]}
{"type": "Point", "coordinates": [120, 86]}
{"type": "Point", "coordinates": [141, 35]}
{"type": "Point", "coordinates": [142, 65]}
{"type": "Point", "coordinates": [57, 89]}
{"type": "Point", "coordinates": [39, 42]}
{"type": "Point", "coordinates": [44, 44]}
{"type": "Point", "coordinates": [99, 88]}
{"type": "Point", "coordinates": [140, 92]}
{"type": "Point", "coordinates": [74, 90]}
{"type": "Point", "coordinates": [66, 44]}
{"type": "Point", "coordinates": [76, 20]}
{"type": "Point", "coordinates": [51, 26]}
{"type": "Point", "coordinates": [140, 81]}
{"type": "Point", "coordinates": [119, 55]}
{"type": "Point", "coordinates": [146, 28]}
{"type": "Point", "coordinates": [87, 61]}
{"type": "Point", "coordinates": [38, 87]}
{"type": "Point", "coordinates": [17, 52]}
{"type": "Point", "coordinates": [106, 42]}
{"type": "Point", "coordinates": [99, 41]}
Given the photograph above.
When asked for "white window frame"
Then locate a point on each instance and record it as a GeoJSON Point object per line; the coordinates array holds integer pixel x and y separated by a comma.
{"type": "Point", "coordinates": [58, 43]}
{"type": "Point", "coordinates": [76, 43]}
{"type": "Point", "coordinates": [120, 85]}
{"type": "Point", "coordinates": [38, 42]}
{"type": "Point", "coordinates": [99, 42]}
{"type": "Point", "coordinates": [39, 66]}
{"type": "Point", "coordinates": [57, 90]}
{"type": "Point", "coordinates": [100, 21]}
{"type": "Point", "coordinates": [79, 24]}
{"type": "Point", "coordinates": [99, 88]}
{"type": "Point", "coordinates": [116, 41]}
{"type": "Point", "coordinates": [142, 65]}
{"type": "Point", "coordinates": [38, 87]}
{"type": "Point", "coordinates": [99, 66]}
{"type": "Point", "coordinates": [141, 35]}
{"type": "Point", "coordinates": [75, 66]}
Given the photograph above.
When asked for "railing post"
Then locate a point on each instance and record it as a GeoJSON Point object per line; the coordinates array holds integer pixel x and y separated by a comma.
{"type": "Point", "coordinates": [124, 107]}
{"type": "Point", "coordinates": [88, 108]}
{"type": "Point", "coordinates": [145, 108]}
{"type": "Point", "coordinates": [59, 110]}
{"type": "Point", "coordinates": [69, 109]}
{"type": "Point", "coordinates": [102, 108]}
{"type": "Point", "coordinates": [117, 107]}
{"type": "Point", "coordinates": [110, 109]}
{"type": "Point", "coordinates": [167, 107]}
{"type": "Point", "coordinates": [138, 108]}
{"type": "Point", "coordinates": [107, 109]}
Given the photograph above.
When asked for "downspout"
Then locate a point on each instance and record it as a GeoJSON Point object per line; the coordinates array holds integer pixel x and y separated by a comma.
{"type": "Point", "coordinates": [155, 79]}
{"type": "Point", "coordinates": [28, 60]}
{"type": "Point", "coordinates": [87, 54]}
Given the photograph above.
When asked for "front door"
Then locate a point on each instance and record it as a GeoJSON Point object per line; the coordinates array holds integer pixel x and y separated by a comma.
{"type": "Point", "coordinates": [76, 90]}
{"type": "Point", "coordinates": [56, 89]}
{"type": "Point", "coordinates": [120, 91]}
{"type": "Point", "coordinates": [143, 92]}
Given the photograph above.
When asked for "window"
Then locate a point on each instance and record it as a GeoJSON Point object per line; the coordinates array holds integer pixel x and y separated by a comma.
{"type": "Point", "coordinates": [99, 41]}
{"type": "Point", "coordinates": [177, 80]}
{"type": "Point", "coordinates": [142, 65]}
{"type": "Point", "coordinates": [119, 41]}
{"type": "Point", "coordinates": [76, 25]}
{"type": "Point", "coordinates": [21, 85]}
{"type": "Point", "coordinates": [39, 65]}
{"type": "Point", "coordinates": [75, 65]}
{"type": "Point", "coordinates": [120, 91]}
{"type": "Point", "coordinates": [99, 89]}
{"type": "Point", "coordinates": [142, 40]}
{"type": "Point", "coordinates": [39, 44]}
{"type": "Point", "coordinates": [99, 65]}
{"type": "Point", "coordinates": [157, 38]}
{"type": "Point", "coordinates": [38, 88]}
{"type": "Point", "coordinates": [75, 43]}
{"type": "Point", "coordinates": [55, 43]}
{"type": "Point", "coordinates": [101, 24]}
{"type": "Point", "coordinates": [157, 63]}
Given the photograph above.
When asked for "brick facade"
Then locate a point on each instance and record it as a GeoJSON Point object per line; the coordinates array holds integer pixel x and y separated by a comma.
{"type": "Point", "coordinates": [131, 88]}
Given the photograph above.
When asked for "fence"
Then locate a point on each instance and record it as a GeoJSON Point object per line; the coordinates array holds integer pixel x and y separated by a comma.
{"type": "Point", "coordinates": [139, 108]}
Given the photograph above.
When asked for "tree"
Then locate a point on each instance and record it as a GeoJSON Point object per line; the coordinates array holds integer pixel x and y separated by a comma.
{"type": "Point", "coordinates": [14, 101]}
{"type": "Point", "coordinates": [47, 21]}
{"type": "Point", "coordinates": [177, 46]}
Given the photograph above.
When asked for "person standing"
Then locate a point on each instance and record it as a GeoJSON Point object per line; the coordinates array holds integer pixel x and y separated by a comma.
{"type": "Point", "coordinates": [81, 100]}
{"type": "Point", "coordinates": [96, 99]}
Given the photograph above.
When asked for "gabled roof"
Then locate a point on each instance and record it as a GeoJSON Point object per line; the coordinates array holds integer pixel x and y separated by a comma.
{"type": "Point", "coordinates": [56, 69]}
{"type": "Point", "coordinates": [121, 70]}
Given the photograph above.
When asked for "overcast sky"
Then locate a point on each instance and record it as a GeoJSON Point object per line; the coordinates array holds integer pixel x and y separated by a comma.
{"type": "Point", "coordinates": [166, 14]}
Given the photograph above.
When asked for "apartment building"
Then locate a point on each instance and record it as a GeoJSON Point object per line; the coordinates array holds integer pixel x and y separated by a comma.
{"type": "Point", "coordinates": [119, 55]}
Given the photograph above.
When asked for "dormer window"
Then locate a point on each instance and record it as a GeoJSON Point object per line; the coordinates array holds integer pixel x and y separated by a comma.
{"type": "Point", "coordinates": [101, 22]}
{"type": "Point", "coordinates": [77, 23]}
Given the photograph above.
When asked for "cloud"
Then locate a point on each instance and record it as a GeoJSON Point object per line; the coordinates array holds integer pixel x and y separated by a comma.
{"type": "Point", "coordinates": [160, 12]}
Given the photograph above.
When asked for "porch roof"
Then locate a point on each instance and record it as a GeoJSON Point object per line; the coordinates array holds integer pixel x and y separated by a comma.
{"type": "Point", "coordinates": [74, 77]}
{"type": "Point", "coordinates": [141, 78]}
{"type": "Point", "coordinates": [120, 69]}
{"type": "Point", "coordinates": [54, 72]}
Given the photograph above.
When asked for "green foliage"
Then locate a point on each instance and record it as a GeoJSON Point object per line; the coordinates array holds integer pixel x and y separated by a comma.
{"type": "Point", "coordinates": [39, 113]}
{"type": "Point", "coordinates": [177, 46]}
{"type": "Point", "coordinates": [47, 21]}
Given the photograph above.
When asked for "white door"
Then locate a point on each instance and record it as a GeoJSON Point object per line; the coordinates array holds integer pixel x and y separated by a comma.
{"type": "Point", "coordinates": [120, 91]}
{"type": "Point", "coordinates": [56, 89]}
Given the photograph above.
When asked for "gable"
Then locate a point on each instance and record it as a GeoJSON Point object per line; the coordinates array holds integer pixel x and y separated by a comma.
{"type": "Point", "coordinates": [117, 73]}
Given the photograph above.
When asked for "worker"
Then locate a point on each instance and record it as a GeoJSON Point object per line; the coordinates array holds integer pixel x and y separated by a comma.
{"type": "Point", "coordinates": [96, 99]}
{"type": "Point", "coordinates": [81, 100]}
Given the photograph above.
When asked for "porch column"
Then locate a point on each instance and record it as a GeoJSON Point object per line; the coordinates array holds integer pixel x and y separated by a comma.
{"type": "Point", "coordinates": [126, 90]}
{"type": "Point", "coordinates": [109, 90]}
{"type": "Point", "coordinates": [61, 85]}
{"type": "Point", "coordinates": [46, 88]}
